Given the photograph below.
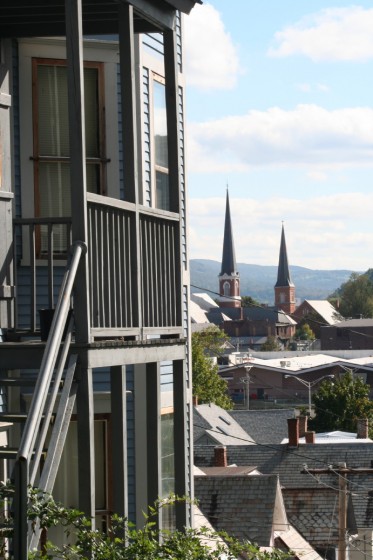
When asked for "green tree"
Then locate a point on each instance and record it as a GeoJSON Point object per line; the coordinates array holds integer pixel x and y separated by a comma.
{"type": "Point", "coordinates": [356, 296]}
{"type": "Point", "coordinates": [248, 301]}
{"type": "Point", "coordinates": [304, 332]}
{"type": "Point", "coordinates": [340, 404]}
{"type": "Point", "coordinates": [271, 345]}
{"type": "Point", "coordinates": [122, 541]}
{"type": "Point", "coordinates": [208, 386]}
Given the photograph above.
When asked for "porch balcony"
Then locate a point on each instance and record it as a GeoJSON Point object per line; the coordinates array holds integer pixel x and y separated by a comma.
{"type": "Point", "coordinates": [133, 291]}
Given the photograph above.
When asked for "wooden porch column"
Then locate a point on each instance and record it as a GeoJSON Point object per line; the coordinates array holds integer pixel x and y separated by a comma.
{"type": "Point", "coordinates": [127, 54]}
{"type": "Point", "coordinates": [74, 51]}
{"type": "Point", "coordinates": [86, 447]}
{"type": "Point", "coordinates": [153, 388]}
{"type": "Point", "coordinates": [119, 440]}
{"type": "Point", "coordinates": [182, 467]}
{"type": "Point", "coordinates": [172, 109]}
{"type": "Point", "coordinates": [173, 145]}
{"type": "Point", "coordinates": [141, 436]}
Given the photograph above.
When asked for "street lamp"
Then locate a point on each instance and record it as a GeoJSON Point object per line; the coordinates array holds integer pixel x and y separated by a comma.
{"type": "Point", "coordinates": [309, 384]}
{"type": "Point", "coordinates": [246, 381]}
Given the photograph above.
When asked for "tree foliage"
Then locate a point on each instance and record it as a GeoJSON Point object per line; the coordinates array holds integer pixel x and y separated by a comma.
{"type": "Point", "coordinates": [356, 296]}
{"type": "Point", "coordinates": [248, 301]}
{"type": "Point", "coordinates": [304, 332]}
{"type": "Point", "coordinates": [271, 345]}
{"type": "Point", "coordinates": [208, 386]}
{"type": "Point", "coordinates": [122, 541]}
{"type": "Point", "coordinates": [340, 404]}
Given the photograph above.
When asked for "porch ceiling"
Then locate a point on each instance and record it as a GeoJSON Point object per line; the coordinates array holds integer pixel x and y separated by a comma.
{"type": "Point", "coordinates": [46, 18]}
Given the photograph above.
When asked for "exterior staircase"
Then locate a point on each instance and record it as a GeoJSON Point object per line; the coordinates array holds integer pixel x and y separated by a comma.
{"type": "Point", "coordinates": [35, 462]}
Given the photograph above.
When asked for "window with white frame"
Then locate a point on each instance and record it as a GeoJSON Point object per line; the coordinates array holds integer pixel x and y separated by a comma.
{"type": "Point", "coordinates": [160, 150]}
{"type": "Point", "coordinates": [51, 151]}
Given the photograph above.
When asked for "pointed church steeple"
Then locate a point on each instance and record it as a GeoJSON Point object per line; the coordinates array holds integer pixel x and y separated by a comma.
{"type": "Point", "coordinates": [228, 262]}
{"type": "Point", "coordinates": [229, 278]}
{"type": "Point", "coordinates": [284, 287]}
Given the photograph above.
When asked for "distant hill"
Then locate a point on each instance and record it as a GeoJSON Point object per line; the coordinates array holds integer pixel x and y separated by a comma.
{"type": "Point", "coordinates": [258, 281]}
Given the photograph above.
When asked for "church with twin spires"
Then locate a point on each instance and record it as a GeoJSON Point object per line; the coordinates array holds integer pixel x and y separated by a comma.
{"type": "Point", "coordinates": [254, 321]}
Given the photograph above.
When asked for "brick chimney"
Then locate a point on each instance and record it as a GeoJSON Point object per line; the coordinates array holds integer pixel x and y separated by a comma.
{"type": "Point", "coordinates": [195, 400]}
{"type": "Point", "coordinates": [220, 456]}
{"type": "Point", "coordinates": [303, 419]}
{"type": "Point", "coordinates": [362, 428]}
{"type": "Point", "coordinates": [293, 430]}
{"type": "Point", "coordinates": [310, 437]}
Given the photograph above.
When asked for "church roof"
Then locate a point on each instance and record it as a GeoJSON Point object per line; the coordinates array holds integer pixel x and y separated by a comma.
{"type": "Point", "coordinates": [228, 263]}
{"type": "Point", "coordinates": [283, 274]}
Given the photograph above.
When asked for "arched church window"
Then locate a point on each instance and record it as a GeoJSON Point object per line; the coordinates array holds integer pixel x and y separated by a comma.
{"type": "Point", "coordinates": [227, 289]}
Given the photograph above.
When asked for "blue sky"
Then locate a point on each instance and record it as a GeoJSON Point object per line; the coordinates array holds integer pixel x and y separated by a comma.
{"type": "Point", "coordinates": [280, 107]}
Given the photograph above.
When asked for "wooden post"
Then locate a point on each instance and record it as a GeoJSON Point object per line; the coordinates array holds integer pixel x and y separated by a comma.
{"type": "Point", "coordinates": [86, 446]}
{"type": "Point", "coordinates": [130, 139]}
{"type": "Point", "coordinates": [181, 455]}
{"type": "Point", "coordinates": [75, 78]}
{"type": "Point", "coordinates": [119, 440]}
{"type": "Point", "coordinates": [153, 432]}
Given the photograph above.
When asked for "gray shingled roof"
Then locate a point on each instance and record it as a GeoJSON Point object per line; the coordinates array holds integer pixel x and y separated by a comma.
{"type": "Point", "coordinates": [214, 424]}
{"type": "Point", "coordinates": [298, 488]}
{"type": "Point", "coordinates": [264, 426]}
{"type": "Point", "coordinates": [243, 506]}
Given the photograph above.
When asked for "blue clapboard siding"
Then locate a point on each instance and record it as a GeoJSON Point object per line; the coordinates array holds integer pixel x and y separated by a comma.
{"type": "Point", "coordinates": [16, 131]}
{"type": "Point", "coordinates": [179, 50]}
{"type": "Point", "coordinates": [131, 445]}
{"type": "Point", "coordinates": [182, 178]}
{"type": "Point", "coordinates": [153, 43]}
{"type": "Point", "coordinates": [24, 291]}
{"type": "Point", "coordinates": [147, 176]}
{"type": "Point", "coordinates": [120, 135]}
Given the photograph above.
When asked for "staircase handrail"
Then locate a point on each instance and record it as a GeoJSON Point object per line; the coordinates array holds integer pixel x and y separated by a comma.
{"type": "Point", "coordinates": [35, 414]}
{"type": "Point", "coordinates": [50, 354]}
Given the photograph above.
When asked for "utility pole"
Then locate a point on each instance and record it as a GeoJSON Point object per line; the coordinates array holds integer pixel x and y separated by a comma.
{"type": "Point", "coordinates": [341, 470]}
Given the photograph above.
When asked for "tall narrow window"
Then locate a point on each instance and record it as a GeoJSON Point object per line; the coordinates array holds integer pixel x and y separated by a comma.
{"type": "Point", "coordinates": [51, 153]}
{"type": "Point", "coordinates": [162, 188]}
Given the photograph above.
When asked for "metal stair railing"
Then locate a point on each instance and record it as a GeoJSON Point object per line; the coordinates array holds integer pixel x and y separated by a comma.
{"type": "Point", "coordinates": [42, 405]}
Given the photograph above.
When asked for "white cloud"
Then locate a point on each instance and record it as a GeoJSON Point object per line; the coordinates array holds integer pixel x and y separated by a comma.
{"type": "Point", "coordinates": [308, 88]}
{"type": "Point", "coordinates": [331, 34]}
{"type": "Point", "coordinates": [317, 175]}
{"type": "Point", "coordinates": [210, 55]}
{"type": "Point", "coordinates": [323, 87]}
{"type": "Point", "coordinates": [308, 135]}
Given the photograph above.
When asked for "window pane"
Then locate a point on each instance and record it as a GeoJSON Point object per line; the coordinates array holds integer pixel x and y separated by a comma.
{"type": "Point", "coordinates": [160, 124]}
{"type": "Point", "coordinates": [162, 190]}
{"type": "Point", "coordinates": [91, 112]}
{"type": "Point", "coordinates": [53, 123]}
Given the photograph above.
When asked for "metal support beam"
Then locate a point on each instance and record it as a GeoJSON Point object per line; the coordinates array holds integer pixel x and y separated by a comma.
{"type": "Point", "coordinates": [119, 440]}
{"type": "Point", "coordinates": [86, 448]}
{"type": "Point", "coordinates": [78, 182]}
